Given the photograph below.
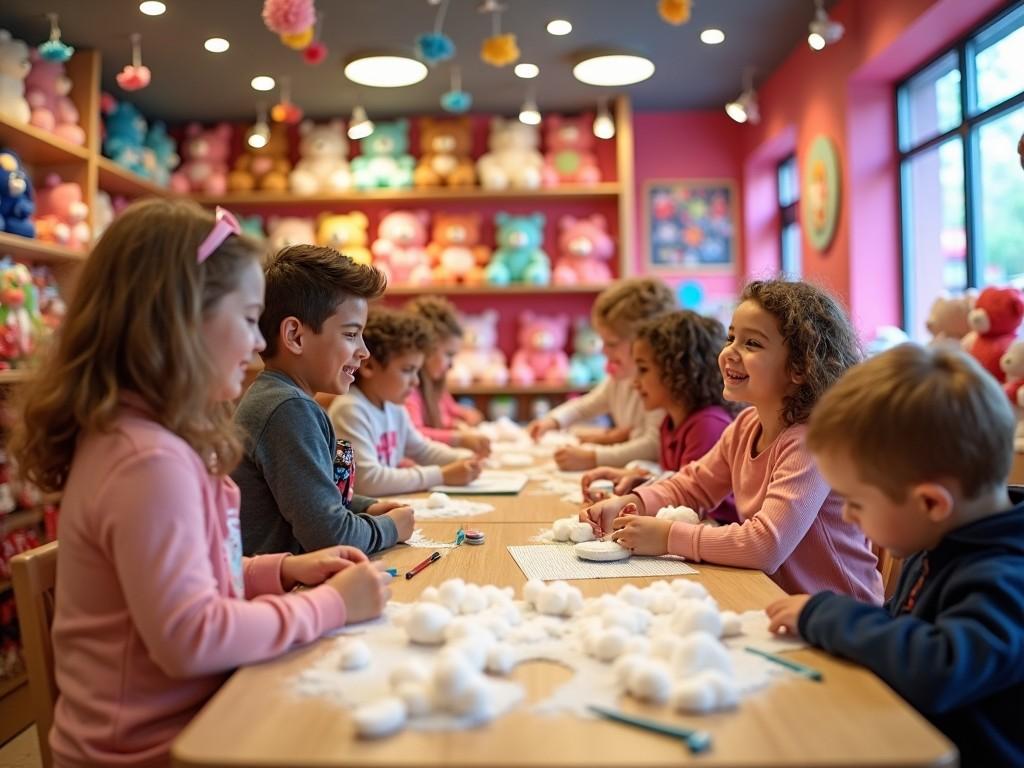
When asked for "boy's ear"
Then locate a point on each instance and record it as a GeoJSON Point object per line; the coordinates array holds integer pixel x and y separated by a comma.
{"type": "Point", "coordinates": [292, 335]}
{"type": "Point", "coordinates": [934, 500]}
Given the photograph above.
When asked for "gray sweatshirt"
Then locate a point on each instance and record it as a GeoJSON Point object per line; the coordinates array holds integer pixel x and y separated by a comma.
{"type": "Point", "coordinates": [296, 478]}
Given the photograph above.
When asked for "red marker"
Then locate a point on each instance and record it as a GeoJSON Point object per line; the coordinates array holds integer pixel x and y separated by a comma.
{"type": "Point", "coordinates": [420, 566]}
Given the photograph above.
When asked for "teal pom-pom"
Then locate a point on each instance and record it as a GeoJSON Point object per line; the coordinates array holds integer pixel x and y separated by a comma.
{"type": "Point", "coordinates": [456, 101]}
{"type": "Point", "coordinates": [56, 50]}
{"type": "Point", "coordinates": [434, 48]}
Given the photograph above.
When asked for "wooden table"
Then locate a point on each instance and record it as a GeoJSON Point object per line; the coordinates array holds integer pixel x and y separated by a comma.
{"type": "Point", "coordinates": [851, 719]}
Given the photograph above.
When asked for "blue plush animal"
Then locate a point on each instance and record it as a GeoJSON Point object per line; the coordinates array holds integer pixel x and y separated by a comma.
{"type": "Point", "coordinates": [519, 257]}
{"type": "Point", "coordinates": [385, 162]}
{"type": "Point", "coordinates": [125, 138]}
{"type": "Point", "coordinates": [165, 153]}
{"type": "Point", "coordinates": [16, 197]}
{"type": "Point", "coordinates": [586, 366]}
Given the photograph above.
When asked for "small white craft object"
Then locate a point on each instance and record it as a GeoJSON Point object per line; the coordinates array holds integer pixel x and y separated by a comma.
{"type": "Point", "coordinates": [705, 692]}
{"type": "Point", "coordinates": [630, 618]}
{"type": "Point", "coordinates": [437, 500]}
{"type": "Point", "coordinates": [554, 599]}
{"type": "Point", "coordinates": [732, 625]}
{"type": "Point", "coordinates": [355, 654]}
{"type": "Point", "coordinates": [606, 644]}
{"type": "Point", "coordinates": [697, 616]}
{"type": "Point", "coordinates": [699, 652]}
{"type": "Point", "coordinates": [501, 658]}
{"type": "Point", "coordinates": [679, 514]}
{"type": "Point", "coordinates": [380, 718]}
{"type": "Point", "coordinates": [571, 529]}
{"type": "Point", "coordinates": [426, 623]}
{"type": "Point", "coordinates": [649, 680]}
{"type": "Point", "coordinates": [601, 551]}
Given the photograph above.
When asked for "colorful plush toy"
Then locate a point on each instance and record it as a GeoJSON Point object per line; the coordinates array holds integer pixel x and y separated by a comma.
{"type": "Point", "coordinates": [165, 153]}
{"type": "Point", "coordinates": [947, 318]}
{"type": "Point", "coordinates": [513, 161]}
{"type": "Point", "coordinates": [994, 322]}
{"type": "Point", "coordinates": [62, 216]}
{"type": "Point", "coordinates": [51, 306]}
{"type": "Point", "coordinates": [586, 366]}
{"type": "Point", "coordinates": [19, 311]}
{"type": "Point", "coordinates": [519, 257]}
{"type": "Point", "coordinates": [204, 153]}
{"type": "Point", "coordinates": [265, 168]}
{"type": "Point", "coordinates": [323, 166]}
{"type": "Point", "coordinates": [584, 249]}
{"type": "Point", "coordinates": [16, 196]}
{"type": "Point", "coordinates": [345, 232]}
{"type": "Point", "coordinates": [46, 90]}
{"type": "Point", "coordinates": [456, 251]}
{"type": "Point", "coordinates": [541, 355]}
{"type": "Point", "coordinates": [14, 68]}
{"type": "Point", "coordinates": [105, 209]}
{"type": "Point", "coordinates": [479, 361]}
{"type": "Point", "coordinates": [400, 250]}
{"type": "Point", "coordinates": [124, 141]}
{"type": "Point", "coordinates": [1012, 365]}
{"type": "Point", "coordinates": [385, 162]}
{"type": "Point", "coordinates": [570, 157]}
{"type": "Point", "coordinates": [290, 230]}
{"type": "Point", "coordinates": [445, 147]}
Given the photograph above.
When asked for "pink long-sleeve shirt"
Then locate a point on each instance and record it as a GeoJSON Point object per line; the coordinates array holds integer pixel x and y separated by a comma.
{"type": "Point", "coordinates": [450, 412]}
{"type": "Point", "coordinates": [155, 604]}
{"type": "Point", "coordinates": [791, 525]}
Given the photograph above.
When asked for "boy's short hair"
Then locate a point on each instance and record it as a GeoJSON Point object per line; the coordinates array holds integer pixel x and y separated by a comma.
{"type": "Point", "coordinates": [390, 333]}
{"type": "Point", "coordinates": [626, 304]}
{"type": "Point", "coordinates": [440, 315]}
{"type": "Point", "coordinates": [309, 282]}
{"type": "Point", "coordinates": [915, 414]}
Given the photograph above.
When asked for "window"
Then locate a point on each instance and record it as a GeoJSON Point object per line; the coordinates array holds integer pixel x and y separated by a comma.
{"type": "Point", "coordinates": [961, 186]}
{"type": "Point", "coordinates": [789, 218]}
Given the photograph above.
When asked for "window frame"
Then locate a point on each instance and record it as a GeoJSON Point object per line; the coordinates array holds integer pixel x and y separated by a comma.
{"type": "Point", "coordinates": [789, 213]}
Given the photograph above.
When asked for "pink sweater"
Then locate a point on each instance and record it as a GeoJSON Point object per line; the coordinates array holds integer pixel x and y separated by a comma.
{"type": "Point", "coordinates": [450, 412]}
{"type": "Point", "coordinates": [791, 525]}
{"type": "Point", "coordinates": [155, 604]}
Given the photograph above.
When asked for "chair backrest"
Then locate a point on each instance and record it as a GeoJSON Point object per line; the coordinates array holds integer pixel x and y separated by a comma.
{"type": "Point", "coordinates": [34, 576]}
{"type": "Point", "coordinates": [890, 567]}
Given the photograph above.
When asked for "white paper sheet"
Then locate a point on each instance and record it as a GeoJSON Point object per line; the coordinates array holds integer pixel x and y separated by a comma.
{"type": "Point", "coordinates": [490, 482]}
{"type": "Point", "coordinates": [551, 562]}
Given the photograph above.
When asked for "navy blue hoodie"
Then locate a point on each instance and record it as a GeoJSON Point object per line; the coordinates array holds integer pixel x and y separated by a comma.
{"type": "Point", "coordinates": [951, 639]}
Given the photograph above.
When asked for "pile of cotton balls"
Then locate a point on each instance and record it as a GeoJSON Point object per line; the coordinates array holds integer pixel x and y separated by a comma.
{"type": "Point", "coordinates": [571, 529]}
{"type": "Point", "coordinates": [678, 514]}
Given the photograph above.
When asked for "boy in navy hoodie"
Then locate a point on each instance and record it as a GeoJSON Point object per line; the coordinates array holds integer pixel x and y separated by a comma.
{"type": "Point", "coordinates": [919, 444]}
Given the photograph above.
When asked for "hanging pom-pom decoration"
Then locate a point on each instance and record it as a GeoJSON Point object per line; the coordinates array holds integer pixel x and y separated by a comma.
{"type": "Point", "coordinates": [498, 50]}
{"type": "Point", "coordinates": [134, 76]}
{"type": "Point", "coordinates": [456, 100]}
{"type": "Point", "coordinates": [316, 52]}
{"type": "Point", "coordinates": [289, 17]}
{"type": "Point", "coordinates": [55, 49]}
{"type": "Point", "coordinates": [299, 41]}
{"type": "Point", "coordinates": [285, 111]}
{"type": "Point", "coordinates": [675, 11]}
{"type": "Point", "coordinates": [435, 47]}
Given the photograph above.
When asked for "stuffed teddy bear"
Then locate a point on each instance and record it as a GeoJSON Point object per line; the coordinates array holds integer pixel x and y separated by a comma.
{"type": "Point", "coordinates": [283, 231]}
{"type": "Point", "coordinates": [105, 208]}
{"type": "Point", "coordinates": [513, 160]}
{"type": "Point", "coordinates": [19, 310]}
{"type": "Point", "coordinates": [14, 68]}
{"type": "Point", "coordinates": [205, 160]}
{"type": "Point", "coordinates": [385, 162]}
{"type": "Point", "coordinates": [586, 366]}
{"type": "Point", "coordinates": [1012, 364]}
{"type": "Point", "coordinates": [519, 257]}
{"type": "Point", "coordinates": [323, 163]}
{"type": "Point", "coordinates": [52, 308]}
{"type": "Point", "coordinates": [62, 216]}
{"type": "Point", "coordinates": [124, 139]}
{"type": "Point", "coordinates": [479, 361]}
{"type": "Point", "coordinates": [584, 251]}
{"type": "Point", "coordinates": [541, 355]}
{"type": "Point", "coordinates": [345, 232]}
{"type": "Point", "coordinates": [265, 168]}
{"type": "Point", "coordinates": [947, 318]}
{"type": "Point", "coordinates": [400, 250]}
{"type": "Point", "coordinates": [456, 251]}
{"type": "Point", "coordinates": [570, 157]}
{"type": "Point", "coordinates": [165, 152]}
{"type": "Point", "coordinates": [445, 147]}
{"type": "Point", "coordinates": [994, 321]}
{"type": "Point", "coordinates": [46, 90]}
{"type": "Point", "coordinates": [16, 197]}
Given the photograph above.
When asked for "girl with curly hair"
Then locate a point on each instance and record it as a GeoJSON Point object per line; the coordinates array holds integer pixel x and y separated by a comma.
{"type": "Point", "coordinates": [787, 344]}
{"type": "Point", "coordinates": [675, 360]}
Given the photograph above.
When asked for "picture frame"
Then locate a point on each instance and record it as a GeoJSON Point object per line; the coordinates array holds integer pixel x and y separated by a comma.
{"type": "Point", "coordinates": [691, 226]}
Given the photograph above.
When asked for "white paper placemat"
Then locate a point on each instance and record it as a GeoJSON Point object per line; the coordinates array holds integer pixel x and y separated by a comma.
{"type": "Point", "coordinates": [549, 562]}
{"type": "Point", "coordinates": [491, 482]}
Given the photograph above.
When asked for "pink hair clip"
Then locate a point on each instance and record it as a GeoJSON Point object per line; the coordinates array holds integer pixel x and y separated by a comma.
{"type": "Point", "coordinates": [226, 225]}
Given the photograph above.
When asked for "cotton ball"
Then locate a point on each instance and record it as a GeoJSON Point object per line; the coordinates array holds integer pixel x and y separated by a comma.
{"type": "Point", "coordinates": [731, 624]}
{"type": "Point", "coordinates": [354, 655]}
{"type": "Point", "coordinates": [659, 585]}
{"type": "Point", "coordinates": [700, 651]}
{"type": "Point", "coordinates": [452, 673]}
{"type": "Point", "coordinates": [638, 644]}
{"type": "Point", "coordinates": [632, 595]}
{"type": "Point", "coordinates": [650, 681]}
{"type": "Point", "coordinates": [379, 718]}
{"type": "Point", "coordinates": [624, 666]}
{"type": "Point", "coordinates": [509, 612]}
{"type": "Point", "coordinates": [417, 698]}
{"type": "Point", "coordinates": [574, 601]}
{"type": "Point", "coordinates": [474, 600]}
{"type": "Point", "coordinates": [635, 620]}
{"type": "Point", "coordinates": [532, 590]}
{"type": "Point", "coordinates": [408, 672]}
{"type": "Point", "coordinates": [689, 588]}
{"type": "Point", "coordinates": [664, 646]}
{"type": "Point", "coordinates": [678, 514]}
{"type": "Point", "coordinates": [697, 616]}
{"type": "Point", "coordinates": [552, 602]}
{"type": "Point", "coordinates": [437, 500]}
{"type": "Point", "coordinates": [497, 596]}
{"type": "Point", "coordinates": [430, 595]}
{"type": "Point", "coordinates": [501, 658]}
{"type": "Point", "coordinates": [496, 625]}
{"type": "Point", "coordinates": [451, 593]}
{"type": "Point", "coordinates": [562, 528]}
{"type": "Point", "coordinates": [472, 650]}
{"type": "Point", "coordinates": [427, 623]}
{"type": "Point", "coordinates": [609, 644]}
{"type": "Point", "coordinates": [475, 702]}
{"type": "Point", "coordinates": [581, 532]}
{"type": "Point", "coordinates": [591, 607]}
{"type": "Point", "coordinates": [662, 602]}
{"type": "Point", "coordinates": [693, 696]}
{"type": "Point", "coordinates": [727, 694]}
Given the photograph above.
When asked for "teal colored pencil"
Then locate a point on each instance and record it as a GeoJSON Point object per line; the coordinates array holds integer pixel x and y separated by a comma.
{"type": "Point", "coordinates": [696, 741]}
{"type": "Point", "coordinates": [809, 672]}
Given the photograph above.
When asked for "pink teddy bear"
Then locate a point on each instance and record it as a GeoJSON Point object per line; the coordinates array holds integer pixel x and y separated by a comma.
{"type": "Point", "coordinates": [569, 158]}
{"type": "Point", "coordinates": [205, 166]}
{"type": "Point", "coordinates": [585, 249]}
{"type": "Point", "coordinates": [541, 355]}
{"type": "Point", "coordinates": [46, 90]}
{"type": "Point", "coordinates": [400, 250]}
{"type": "Point", "coordinates": [479, 360]}
{"type": "Point", "coordinates": [61, 215]}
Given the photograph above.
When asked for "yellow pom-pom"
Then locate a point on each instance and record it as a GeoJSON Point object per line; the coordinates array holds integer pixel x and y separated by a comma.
{"type": "Point", "coordinates": [500, 50]}
{"type": "Point", "coordinates": [675, 11]}
{"type": "Point", "coordinates": [299, 41]}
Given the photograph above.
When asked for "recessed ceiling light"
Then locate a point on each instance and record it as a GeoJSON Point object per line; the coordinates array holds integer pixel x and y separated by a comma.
{"type": "Point", "coordinates": [385, 70]}
{"type": "Point", "coordinates": [527, 71]}
{"type": "Point", "coordinates": [613, 69]}
{"type": "Point", "coordinates": [216, 45]}
{"type": "Point", "coordinates": [559, 27]}
{"type": "Point", "coordinates": [712, 36]}
{"type": "Point", "coordinates": [153, 8]}
{"type": "Point", "coordinates": [262, 83]}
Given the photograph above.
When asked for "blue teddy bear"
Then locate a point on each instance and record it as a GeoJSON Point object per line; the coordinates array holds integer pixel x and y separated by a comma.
{"type": "Point", "coordinates": [165, 153]}
{"type": "Point", "coordinates": [384, 162]}
{"type": "Point", "coordinates": [519, 257]}
{"type": "Point", "coordinates": [586, 366]}
{"type": "Point", "coordinates": [16, 197]}
{"type": "Point", "coordinates": [125, 140]}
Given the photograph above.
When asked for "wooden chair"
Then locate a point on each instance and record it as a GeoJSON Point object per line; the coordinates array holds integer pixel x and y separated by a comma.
{"type": "Point", "coordinates": [890, 567]}
{"type": "Point", "coordinates": [34, 576]}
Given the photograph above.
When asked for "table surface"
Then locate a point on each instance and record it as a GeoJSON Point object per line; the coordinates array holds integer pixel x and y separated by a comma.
{"type": "Point", "coordinates": [850, 719]}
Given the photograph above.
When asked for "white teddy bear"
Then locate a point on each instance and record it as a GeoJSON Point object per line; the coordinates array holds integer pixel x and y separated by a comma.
{"type": "Point", "coordinates": [513, 161]}
{"type": "Point", "coordinates": [324, 166]}
{"type": "Point", "coordinates": [14, 68]}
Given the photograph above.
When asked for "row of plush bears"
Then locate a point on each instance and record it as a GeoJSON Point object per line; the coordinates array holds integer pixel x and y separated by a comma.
{"type": "Point", "coordinates": [540, 358]}
{"type": "Point", "coordinates": [30, 308]}
{"type": "Point", "coordinates": [450, 252]}
{"type": "Point", "coordinates": [55, 212]}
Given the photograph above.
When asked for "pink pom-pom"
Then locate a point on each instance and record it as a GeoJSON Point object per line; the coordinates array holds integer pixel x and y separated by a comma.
{"type": "Point", "coordinates": [288, 17]}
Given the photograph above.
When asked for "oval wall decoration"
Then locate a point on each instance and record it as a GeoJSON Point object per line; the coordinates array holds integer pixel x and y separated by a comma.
{"type": "Point", "coordinates": [819, 194]}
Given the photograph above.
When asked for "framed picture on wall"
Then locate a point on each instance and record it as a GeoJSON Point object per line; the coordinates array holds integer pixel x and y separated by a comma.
{"type": "Point", "coordinates": [690, 225]}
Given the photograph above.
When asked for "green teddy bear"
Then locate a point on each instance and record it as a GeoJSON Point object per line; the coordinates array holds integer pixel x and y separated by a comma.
{"type": "Point", "coordinates": [519, 257]}
{"type": "Point", "coordinates": [385, 162]}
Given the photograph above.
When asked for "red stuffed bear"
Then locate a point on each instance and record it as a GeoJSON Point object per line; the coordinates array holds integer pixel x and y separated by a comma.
{"type": "Point", "coordinates": [994, 321]}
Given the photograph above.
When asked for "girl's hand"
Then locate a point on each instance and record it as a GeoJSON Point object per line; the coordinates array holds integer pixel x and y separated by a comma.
{"type": "Point", "coordinates": [477, 443]}
{"type": "Point", "coordinates": [784, 614]}
{"type": "Point", "coordinates": [380, 507]}
{"type": "Point", "coordinates": [364, 588]}
{"type": "Point", "coordinates": [602, 435]}
{"type": "Point", "coordinates": [538, 427]}
{"type": "Point", "coordinates": [641, 535]}
{"type": "Point", "coordinates": [572, 457]}
{"type": "Point", "coordinates": [601, 514]}
{"type": "Point", "coordinates": [316, 567]}
{"type": "Point", "coordinates": [601, 473]}
{"type": "Point", "coordinates": [461, 472]}
{"type": "Point", "coordinates": [404, 519]}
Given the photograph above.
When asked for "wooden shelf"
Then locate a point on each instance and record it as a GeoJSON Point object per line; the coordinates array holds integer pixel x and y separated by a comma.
{"type": "Point", "coordinates": [536, 389]}
{"type": "Point", "coordinates": [489, 290]}
{"type": "Point", "coordinates": [120, 181]}
{"type": "Point", "coordinates": [38, 147]}
{"type": "Point", "coordinates": [9, 684]}
{"type": "Point", "coordinates": [608, 189]}
{"type": "Point", "coordinates": [18, 520]}
{"type": "Point", "coordinates": [30, 249]}
{"type": "Point", "coordinates": [15, 376]}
